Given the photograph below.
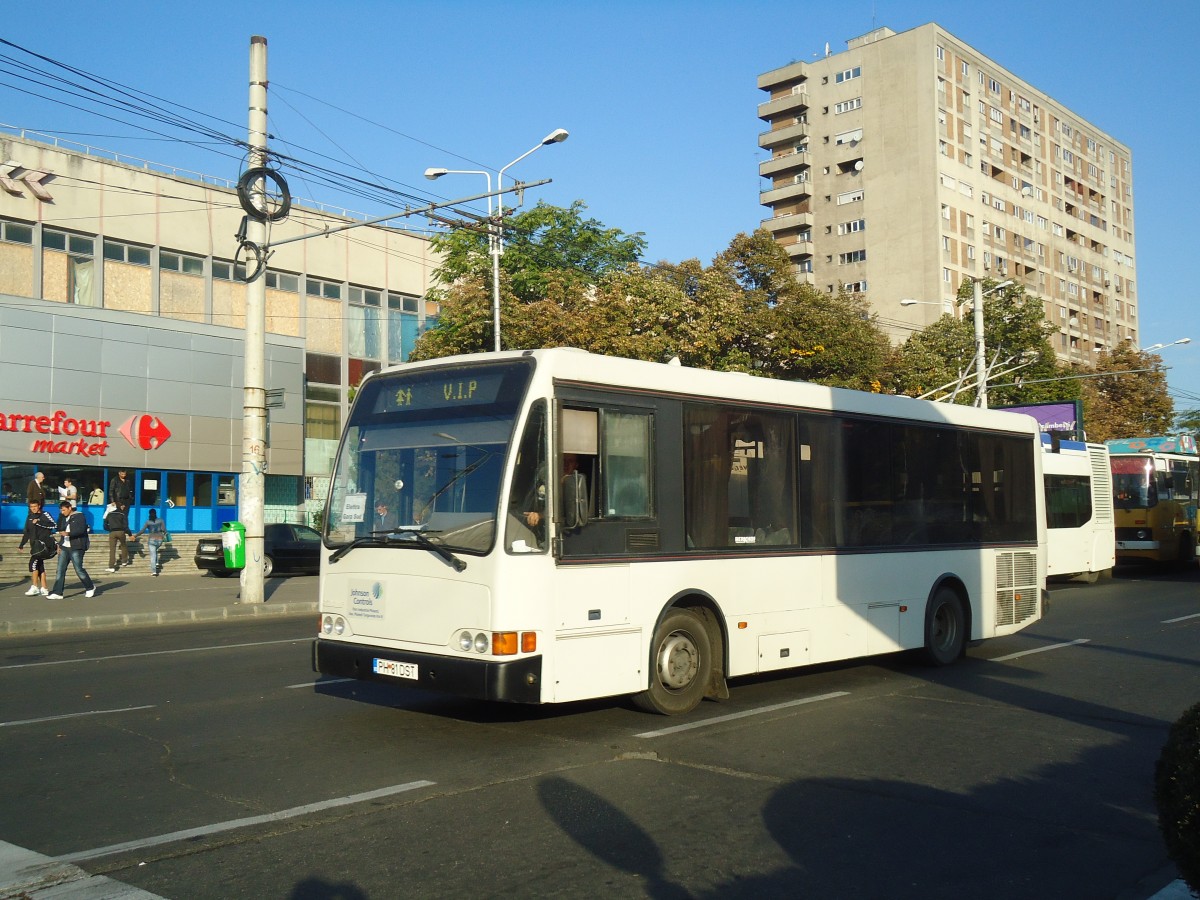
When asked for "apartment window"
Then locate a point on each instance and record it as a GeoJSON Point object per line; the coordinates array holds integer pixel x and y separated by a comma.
{"type": "Point", "coordinates": [225, 271]}
{"type": "Point", "coordinates": [849, 197]}
{"type": "Point", "coordinates": [180, 262]}
{"type": "Point", "coordinates": [855, 287]}
{"type": "Point", "coordinates": [16, 232]}
{"type": "Point", "coordinates": [1068, 157]}
{"type": "Point", "coordinates": [329, 290]}
{"type": "Point", "coordinates": [847, 74]}
{"type": "Point", "coordinates": [941, 53]}
{"type": "Point", "coordinates": [363, 323]}
{"type": "Point", "coordinates": [852, 227]}
{"type": "Point", "coordinates": [847, 105]}
{"type": "Point", "coordinates": [848, 137]}
{"type": "Point", "coordinates": [127, 253]}
{"type": "Point", "coordinates": [996, 115]}
{"type": "Point", "coordinates": [282, 281]}
{"type": "Point", "coordinates": [854, 256]}
{"type": "Point", "coordinates": [966, 69]}
{"type": "Point", "coordinates": [994, 86]}
{"type": "Point", "coordinates": [81, 251]}
{"type": "Point", "coordinates": [946, 276]}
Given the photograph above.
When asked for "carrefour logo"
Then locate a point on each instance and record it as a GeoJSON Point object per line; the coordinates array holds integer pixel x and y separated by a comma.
{"type": "Point", "coordinates": [145, 432]}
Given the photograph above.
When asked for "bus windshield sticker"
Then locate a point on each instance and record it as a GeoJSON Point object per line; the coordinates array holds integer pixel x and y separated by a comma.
{"type": "Point", "coordinates": [354, 509]}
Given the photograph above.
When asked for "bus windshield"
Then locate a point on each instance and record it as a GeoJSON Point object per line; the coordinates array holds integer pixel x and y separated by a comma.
{"type": "Point", "coordinates": [422, 457]}
{"type": "Point", "coordinates": [1133, 482]}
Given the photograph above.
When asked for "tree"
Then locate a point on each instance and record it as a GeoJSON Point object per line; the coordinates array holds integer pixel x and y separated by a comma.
{"type": "Point", "coordinates": [744, 312]}
{"type": "Point", "coordinates": [1129, 398]}
{"type": "Point", "coordinates": [1016, 335]}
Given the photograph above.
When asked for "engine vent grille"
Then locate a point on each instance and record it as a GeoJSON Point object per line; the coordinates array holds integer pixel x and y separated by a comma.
{"type": "Point", "coordinates": [1016, 587]}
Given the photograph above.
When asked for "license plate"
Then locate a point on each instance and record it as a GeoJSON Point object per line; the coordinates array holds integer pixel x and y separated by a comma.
{"type": "Point", "coordinates": [396, 669]}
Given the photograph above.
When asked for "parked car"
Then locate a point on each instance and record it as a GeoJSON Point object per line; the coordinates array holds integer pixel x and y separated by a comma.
{"type": "Point", "coordinates": [287, 548]}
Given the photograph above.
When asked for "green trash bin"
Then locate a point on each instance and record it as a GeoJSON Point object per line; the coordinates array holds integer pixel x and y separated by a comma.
{"type": "Point", "coordinates": [233, 543]}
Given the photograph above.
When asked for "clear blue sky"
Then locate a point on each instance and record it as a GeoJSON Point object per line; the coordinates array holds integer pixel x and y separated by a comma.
{"type": "Point", "coordinates": [659, 98]}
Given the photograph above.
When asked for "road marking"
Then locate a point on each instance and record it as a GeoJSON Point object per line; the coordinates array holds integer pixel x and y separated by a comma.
{"type": "Point", "coordinates": [232, 824]}
{"type": "Point", "coordinates": [740, 715]}
{"type": "Point", "coordinates": [318, 683]}
{"type": "Point", "coordinates": [1040, 650]}
{"type": "Point", "coordinates": [1180, 619]}
{"type": "Point", "coordinates": [78, 715]}
{"type": "Point", "coordinates": [87, 659]}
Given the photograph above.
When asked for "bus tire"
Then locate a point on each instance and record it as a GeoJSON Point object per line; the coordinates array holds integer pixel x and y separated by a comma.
{"type": "Point", "coordinates": [1187, 553]}
{"type": "Point", "coordinates": [681, 665]}
{"type": "Point", "coordinates": [945, 629]}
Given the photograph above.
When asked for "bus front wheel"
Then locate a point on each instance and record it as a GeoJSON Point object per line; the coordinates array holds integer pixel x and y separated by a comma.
{"type": "Point", "coordinates": [945, 629]}
{"type": "Point", "coordinates": [680, 665]}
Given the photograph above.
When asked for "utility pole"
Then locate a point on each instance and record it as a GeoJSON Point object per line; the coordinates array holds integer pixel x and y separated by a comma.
{"type": "Point", "coordinates": [981, 397]}
{"type": "Point", "coordinates": [254, 395]}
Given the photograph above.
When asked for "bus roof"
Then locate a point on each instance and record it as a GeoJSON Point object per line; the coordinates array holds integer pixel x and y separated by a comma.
{"type": "Point", "coordinates": [1183, 444]}
{"type": "Point", "coordinates": [564, 364]}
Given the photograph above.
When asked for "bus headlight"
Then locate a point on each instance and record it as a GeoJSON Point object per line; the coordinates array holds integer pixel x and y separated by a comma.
{"type": "Point", "coordinates": [465, 641]}
{"type": "Point", "coordinates": [482, 643]}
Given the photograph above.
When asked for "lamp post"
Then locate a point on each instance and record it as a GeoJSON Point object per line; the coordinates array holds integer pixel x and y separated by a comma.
{"type": "Point", "coordinates": [1154, 347]}
{"type": "Point", "coordinates": [496, 229]}
{"type": "Point", "coordinates": [433, 174]}
{"type": "Point", "coordinates": [981, 398]}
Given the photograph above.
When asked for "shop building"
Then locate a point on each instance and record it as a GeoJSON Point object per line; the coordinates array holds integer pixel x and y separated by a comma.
{"type": "Point", "coordinates": [121, 334]}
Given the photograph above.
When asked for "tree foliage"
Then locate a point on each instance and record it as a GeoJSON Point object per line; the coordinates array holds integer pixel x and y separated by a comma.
{"type": "Point", "coordinates": [1016, 337]}
{"type": "Point", "coordinates": [1129, 398]}
{"type": "Point", "coordinates": [744, 312]}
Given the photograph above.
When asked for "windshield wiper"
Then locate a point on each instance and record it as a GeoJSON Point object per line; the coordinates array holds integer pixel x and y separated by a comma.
{"type": "Point", "coordinates": [384, 538]}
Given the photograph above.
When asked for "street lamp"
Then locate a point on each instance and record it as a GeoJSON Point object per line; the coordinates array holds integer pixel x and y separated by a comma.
{"type": "Point", "coordinates": [496, 230]}
{"type": "Point", "coordinates": [981, 399]}
{"type": "Point", "coordinates": [557, 136]}
{"type": "Point", "coordinates": [1154, 347]}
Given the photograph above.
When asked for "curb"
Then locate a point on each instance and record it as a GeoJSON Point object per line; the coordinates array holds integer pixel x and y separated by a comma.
{"type": "Point", "coordinates": [175, 617]}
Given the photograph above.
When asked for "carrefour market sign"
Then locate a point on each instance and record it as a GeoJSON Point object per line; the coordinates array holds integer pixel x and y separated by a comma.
{"type": "Point", "coordinates": [66, 435]}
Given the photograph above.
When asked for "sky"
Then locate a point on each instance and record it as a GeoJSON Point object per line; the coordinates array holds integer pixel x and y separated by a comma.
{"type": "Point", "coordinates": [659, 97]}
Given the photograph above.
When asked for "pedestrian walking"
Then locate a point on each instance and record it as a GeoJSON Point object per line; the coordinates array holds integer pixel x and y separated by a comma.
{"type": "Point", "coordinates": [73, 542]}
{"type": "Point", "coordinates": [155, 530]}
{"type": "Point", "coordinates": [39, 534]}
{"type": "Point", "coordinates": [116, 523]}
{"type": "Point", "coordinates": [35, 490]}
{"type": "Point", "coordinates": [120, 489]}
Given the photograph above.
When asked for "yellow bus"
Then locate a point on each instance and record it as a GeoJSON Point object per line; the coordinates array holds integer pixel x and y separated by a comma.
{"type": "Point", "coordinates": [1154, 496]}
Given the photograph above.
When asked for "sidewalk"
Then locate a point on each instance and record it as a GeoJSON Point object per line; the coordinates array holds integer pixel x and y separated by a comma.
{"type": "Point", "coordinates": [131, 597]}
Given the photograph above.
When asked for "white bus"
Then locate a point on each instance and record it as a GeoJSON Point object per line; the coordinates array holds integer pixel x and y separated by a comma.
{"type": "Point", "coordinates": [550, 525]}
{"type": "Point", "coordinates": [1080, 534]}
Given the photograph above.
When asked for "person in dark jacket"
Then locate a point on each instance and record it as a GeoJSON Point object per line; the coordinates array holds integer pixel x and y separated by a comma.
{"type": "Point", "coordinates": [120, 489]}
{"type": "Point", "coordinates": [73, 532]}
{"type": "Point", "coordinates": [116, 523]}
{"type": "Point", "coordinates": [36, 491]}
{"type": "Point", "coordinates": [39, 534]}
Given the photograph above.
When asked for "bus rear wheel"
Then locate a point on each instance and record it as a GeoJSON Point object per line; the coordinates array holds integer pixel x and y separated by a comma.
{"type": "Point", "coordinates": [680, 665]}
{"type": "Point", "coordinates": [945, 629]}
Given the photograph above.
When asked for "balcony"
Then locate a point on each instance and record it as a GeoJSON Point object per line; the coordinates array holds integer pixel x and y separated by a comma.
{"type": "Point", "coordinates": [786, 103]}
{"type": "Point", "coordinates": [788, 161]}
{"type": "Point", "coordinates": [779, 225]}
{"type": "Point", "coordinates": [789, 134]}
{"type": "Point", "coordinates": [775, 195]}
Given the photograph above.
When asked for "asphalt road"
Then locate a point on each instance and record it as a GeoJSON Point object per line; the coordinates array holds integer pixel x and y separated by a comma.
{"type": "Point", "coordinates": [205, 762]}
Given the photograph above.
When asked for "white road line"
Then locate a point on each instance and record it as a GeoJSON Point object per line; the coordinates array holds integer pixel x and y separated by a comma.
{"type": "Point", "coordinates": [93, 712]}
{"type": "Point", "coordinates": [92, 659]}
{"type": "Point", "coordinates": [1180, 619]}
{"type": "Point", "coordinates": [204, 830]}
{"type": "Point", "coordinates": [739, 715]}
{"type": "Point", "coordinates": [1040, 650]}
{"type": "Point", "coordinates": [318, 683]}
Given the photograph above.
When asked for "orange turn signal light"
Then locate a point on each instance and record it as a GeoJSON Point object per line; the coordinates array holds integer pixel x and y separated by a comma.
{"type": "Point", "coordinates": [528, 641]}
{"type": "Point", "coordinates": [504, 643]}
